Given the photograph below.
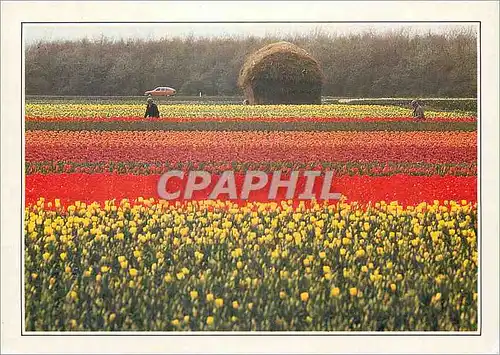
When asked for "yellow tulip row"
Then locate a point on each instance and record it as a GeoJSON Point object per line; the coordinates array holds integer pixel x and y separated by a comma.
{"type": "Point", "coordinates": [213, 265]}
{"type": "Point", "coordinates": [196, 111]}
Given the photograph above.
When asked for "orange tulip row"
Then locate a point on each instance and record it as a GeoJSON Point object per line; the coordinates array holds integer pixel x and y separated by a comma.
{"type": "Point", "coordinates": [250, 146]}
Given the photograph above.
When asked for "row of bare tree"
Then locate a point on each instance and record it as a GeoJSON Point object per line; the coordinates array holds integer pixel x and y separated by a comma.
{"type": "Point", "coordinates": [396, 64]}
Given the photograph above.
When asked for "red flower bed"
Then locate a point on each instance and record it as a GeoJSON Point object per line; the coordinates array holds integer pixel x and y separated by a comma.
{"type": "Point", "coordinates": [100, 187]}
{"type": "Point", "coordinates": [432, 147]}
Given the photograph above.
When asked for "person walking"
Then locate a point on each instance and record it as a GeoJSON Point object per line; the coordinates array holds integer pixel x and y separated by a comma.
{"type": "Point", "coordinates": [418, 110]}
{"type": "Point", "coordinates": [151, 109]}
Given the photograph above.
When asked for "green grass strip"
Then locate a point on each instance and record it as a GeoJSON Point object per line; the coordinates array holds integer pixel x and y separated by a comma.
{"type": "Point", "coordinates": [374, 168]}
{"type": "Point", "coordinates": [251, 126]}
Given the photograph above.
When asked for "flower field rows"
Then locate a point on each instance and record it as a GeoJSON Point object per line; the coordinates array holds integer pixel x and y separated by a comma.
{"type": "Point", "coordinates": [399, 251]}
{"type": "Point", "coordinates": [156, 266]}
{"type": "Point", "coordinates": [402, 188]}
{"type": "Point", "coordinates": [250, 112]}
{"type": "Point", "coordinates": [433, 147]}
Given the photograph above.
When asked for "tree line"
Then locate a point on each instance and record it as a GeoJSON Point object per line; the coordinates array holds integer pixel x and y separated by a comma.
{"type": "Point", "coordinates": [391, 64]}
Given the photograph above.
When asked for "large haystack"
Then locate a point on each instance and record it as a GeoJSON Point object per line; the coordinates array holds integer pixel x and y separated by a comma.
{"type": "Point", "coordinates": [281, 73]}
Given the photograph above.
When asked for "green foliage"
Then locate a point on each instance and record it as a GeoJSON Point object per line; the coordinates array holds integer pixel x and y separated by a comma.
{"type": "Point", "coordinates": [445, 104]}
{"type": "Point", "coordinates": [402, 126]}
{"type": "Point", "coordinates": [134, 100]}
{"type": "Point", "coordinates": [353, 168]}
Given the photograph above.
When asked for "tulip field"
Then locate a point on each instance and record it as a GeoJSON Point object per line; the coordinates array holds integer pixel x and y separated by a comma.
{"type": "Point", "coordinates": [103, 252]}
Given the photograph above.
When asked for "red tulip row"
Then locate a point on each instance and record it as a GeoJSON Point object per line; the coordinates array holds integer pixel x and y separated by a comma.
{"type": "Point", "coordinates": [101, 187]}
{"type": "Point", "coordinates": [86, 146]}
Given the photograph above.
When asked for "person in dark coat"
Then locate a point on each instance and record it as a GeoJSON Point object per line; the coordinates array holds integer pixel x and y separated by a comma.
{"type": "Point", "coordinates": [151, 109]}
{"type": "Point", "coordinates": [418, 110]}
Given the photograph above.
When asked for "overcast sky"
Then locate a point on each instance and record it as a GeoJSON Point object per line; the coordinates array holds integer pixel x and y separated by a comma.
{"type": "Point", "coordinates": [52, 32]}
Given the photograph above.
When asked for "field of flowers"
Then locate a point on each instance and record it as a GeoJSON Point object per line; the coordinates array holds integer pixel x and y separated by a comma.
{"type": "Point", "coordinates": [246, 112]}
{"type": "Point", "coordinates": [399, 251]}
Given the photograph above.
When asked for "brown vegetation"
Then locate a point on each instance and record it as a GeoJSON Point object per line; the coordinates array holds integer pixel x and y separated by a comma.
{"type": "Point", "coordinates": [281, 73]}
{"type": "Point", "coordinates": [364, 65]}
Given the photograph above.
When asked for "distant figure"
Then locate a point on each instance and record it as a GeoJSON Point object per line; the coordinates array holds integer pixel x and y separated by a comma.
{"type": "Point", "coordinates": [151, 109]}
{"type": "Point", "coordinates": [200, 94]}
{"type": "Point", "coordinates": [246, 102]}
{"type": "Point", "coordinates": [418, 111]}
